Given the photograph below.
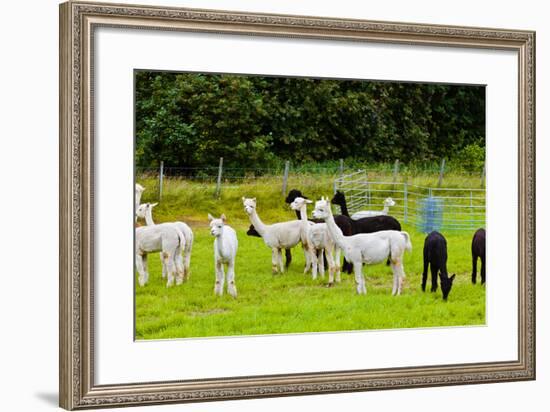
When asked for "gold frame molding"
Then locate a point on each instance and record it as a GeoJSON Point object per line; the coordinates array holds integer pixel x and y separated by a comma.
{"type": "Point", "coordinates": [77, 23]}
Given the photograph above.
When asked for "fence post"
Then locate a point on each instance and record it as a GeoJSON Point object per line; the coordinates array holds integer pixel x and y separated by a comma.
{"type": "Point", "coordinates": [285, 176]}
{"type": "Point", "coordinates": [441, 171]}
{"type": "Point", "coordinates": [161, 178]}
{"type": "Point", "coordinates": [219, 181]}
{"type": "Point", "coordinates": [405, 202]}
{"type": "Point", "coordinates": [395, 170]}
{"type": "Point", "coordinates": [483, 176]}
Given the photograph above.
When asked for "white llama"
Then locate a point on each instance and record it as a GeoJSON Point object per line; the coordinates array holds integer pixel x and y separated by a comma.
{"type": "Point", "coordinates": [166, 239]}
{"type": "Point", "coordinates": [369, 248]}
{"type": "Point", "coordinates": [388, 202]}
{"type": "Point", "coordinates": [277, 236]}
{"type": "Point", "coordinates": [137, 196]}
{"type": "Point", "coordinates": [318, 241]}
{"type": "Point", "coordinates": [145, 211]}
{"type": "Point", "coordinates": [225, 251]}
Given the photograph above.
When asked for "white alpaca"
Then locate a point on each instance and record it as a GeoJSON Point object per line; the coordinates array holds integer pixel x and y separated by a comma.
{"type": "Point", "coordinates": [137, 196]}
{"type": "Point", "coordinates": [225, 251]}
{"type": "Point", "coordinates": [166, 239]}
{"type": "Point", "coordinates": [318, 241]}
{"type": "Point", "coordinates": [277, 236]}
{"type": "Point", "coordinates": [145, 211]}
{"type": "Point", "coordinates": [369, 248]}
{"type": "Point", "coordinates": [388, 202]}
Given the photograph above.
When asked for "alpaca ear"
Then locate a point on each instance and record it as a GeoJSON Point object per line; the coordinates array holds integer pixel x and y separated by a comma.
{"type": "Point", "coordinates": [210, 217]}
{"type": "Point", "coordinates": [243, 198]}
{"type": "Point", "coordinates": [153, 204]}
{"type": "Point", "coordinates": [223, 218]}
{"type": "Point", "coordinates": [254, 199]}
{"type": "Point", "coordinates": [308, 201]}
{"type": "Point", "coordinates": [452, 277]}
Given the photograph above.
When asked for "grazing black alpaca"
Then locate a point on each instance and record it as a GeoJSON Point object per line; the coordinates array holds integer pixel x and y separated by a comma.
{"type": "Point", "coordinates": [288, 255]}
{"type": "Point", "coordinates": [342, 222]}
{"type": "Point", "coordinates": [478, 251]}
{"type": "Point", "coordinates": [435, 255]}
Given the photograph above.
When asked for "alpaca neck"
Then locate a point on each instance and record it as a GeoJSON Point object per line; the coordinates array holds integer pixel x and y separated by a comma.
{"type": "Point", "coordinates": [149, 218]}
{"type": "Point", "coordinates": [335, 232]}
{"type": "Point", "coordinates": [344, 208]}
{"type": "Point", "coordinates": [220, 244]}
{"type": "Point", "coordinates": [303, 216]}
{"type": "Point", "coordinates": [386, 209]}
{"type": "Point", "coordinates": [257, 223]}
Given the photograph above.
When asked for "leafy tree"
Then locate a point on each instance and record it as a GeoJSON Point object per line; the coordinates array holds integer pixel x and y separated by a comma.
{"type": "Point", "coordinates": [190, 120]}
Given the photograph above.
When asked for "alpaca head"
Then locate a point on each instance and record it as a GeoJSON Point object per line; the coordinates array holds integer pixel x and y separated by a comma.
{"type": "Point", "coordinates": [322, 209]}
{"type": "Point", "coordinates": [144, 209]}
{"type": "Point", "coordinates": [338, 198]}
{"type": "Point", "coordinates": [293, 194]}
{"type": "Point", "coordinates": [216, 225]}
{"type": "Point", "coordinates": [252, 231]}
{"type": "Point", "coordinates": [299, 202]}
{"type": "Point", "coordinates": [249, 205]}
{"type": "Point", "coordinates": [389, 202]}
{"type": "Point", "coordinates": [446, 285]}
{"type": "Point", "coordinates": [139, 189]}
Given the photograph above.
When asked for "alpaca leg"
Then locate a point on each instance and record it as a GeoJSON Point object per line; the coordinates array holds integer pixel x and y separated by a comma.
{"type": "Point", "coordinates": [168, 261]}
{"type": "Point", "coordinates": [231, 287]}
{"type": "Point", "coordinates": [337, 265]}
{"type": "Point", "coordinates": [288, 257]}
{"type": "Point", "coordinates": [307, 256]}
{"type": "Point", "coordinates": [180, 269]}
{"type": "Point", "coordinates": [218, 286]}
{"type": "Point", "coordinates": [187, 264]}
{"type": "Point", "coordinates": [141, 266]}
{"type": "Point", "coordinates": [474, 268]}
{"type": "Point", "coordinates": [321, 262]}
{"type": "Point", "coordinates": [425, 274]}
{"type": "Point", "coordinates": [395, 279]}
{"type": "Point", "coordinates": [331, 266]}
{"type": "Point", "coordinates": [361, 287]}
{"type": "Point", "coordinates": [482, 271]}
{"type": "Point", "coordinates": [280, 260]}
{"type": "Point", "coordinates": [274, 260]}
{"type": "Point", "coordinates": [398, 277]}
{"type": "Point", "coordinates": [434, 271]}
{"type": "Point", "coordinates": [314, 263]}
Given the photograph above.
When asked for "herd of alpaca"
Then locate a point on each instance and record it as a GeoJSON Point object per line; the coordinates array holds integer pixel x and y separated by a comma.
{"type": "Point", "coordinates": [365, 238]}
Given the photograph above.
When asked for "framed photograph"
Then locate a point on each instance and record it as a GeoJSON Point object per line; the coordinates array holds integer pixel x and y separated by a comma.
{"type": "Point", "coordinates": [260, 205]}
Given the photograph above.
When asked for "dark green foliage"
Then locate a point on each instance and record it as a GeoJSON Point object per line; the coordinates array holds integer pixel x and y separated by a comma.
{"type": "Point", "coordinates": [190, 120]}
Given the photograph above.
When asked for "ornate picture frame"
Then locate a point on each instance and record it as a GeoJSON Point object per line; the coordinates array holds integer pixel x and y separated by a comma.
{"type": "Point", "coordinates": [78, 22]}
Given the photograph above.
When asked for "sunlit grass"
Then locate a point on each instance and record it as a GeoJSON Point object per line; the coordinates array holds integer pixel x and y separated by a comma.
{"type": "Point", "coordinates": [293, 302]}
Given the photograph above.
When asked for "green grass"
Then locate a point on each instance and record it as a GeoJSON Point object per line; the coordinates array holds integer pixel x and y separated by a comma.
{"type": "Point", "coordinates": [292, 302]}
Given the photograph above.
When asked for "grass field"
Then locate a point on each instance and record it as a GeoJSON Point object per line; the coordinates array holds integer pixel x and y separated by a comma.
{"type": "Point", "coordinates": [291, 302]}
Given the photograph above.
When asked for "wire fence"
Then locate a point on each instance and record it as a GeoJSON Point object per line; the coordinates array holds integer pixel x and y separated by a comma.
{"type": "Point", "coordinates": [461, 207]}
{"type": "Point", "coordinates": [428, 208]}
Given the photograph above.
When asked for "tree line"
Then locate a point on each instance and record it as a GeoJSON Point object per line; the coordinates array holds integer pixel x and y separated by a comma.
{"type": "Point", "coordinates": [190, 120]}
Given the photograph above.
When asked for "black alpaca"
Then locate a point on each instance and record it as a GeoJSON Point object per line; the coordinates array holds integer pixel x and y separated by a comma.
{"type": "Point", "coordinates": [288, 255]}
{"type": "Point", "coordinates": [365, 225]}
{"type": "Point", "coordinates": [341, 221]}
{"type": "Point", "coordinates": [478, 251]}
{"type": "Point", "coordinates": [435, 255]}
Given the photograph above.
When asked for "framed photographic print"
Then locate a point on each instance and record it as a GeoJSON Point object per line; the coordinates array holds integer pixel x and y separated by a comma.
{"type": "Point", "coordinates": [262, 205]}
